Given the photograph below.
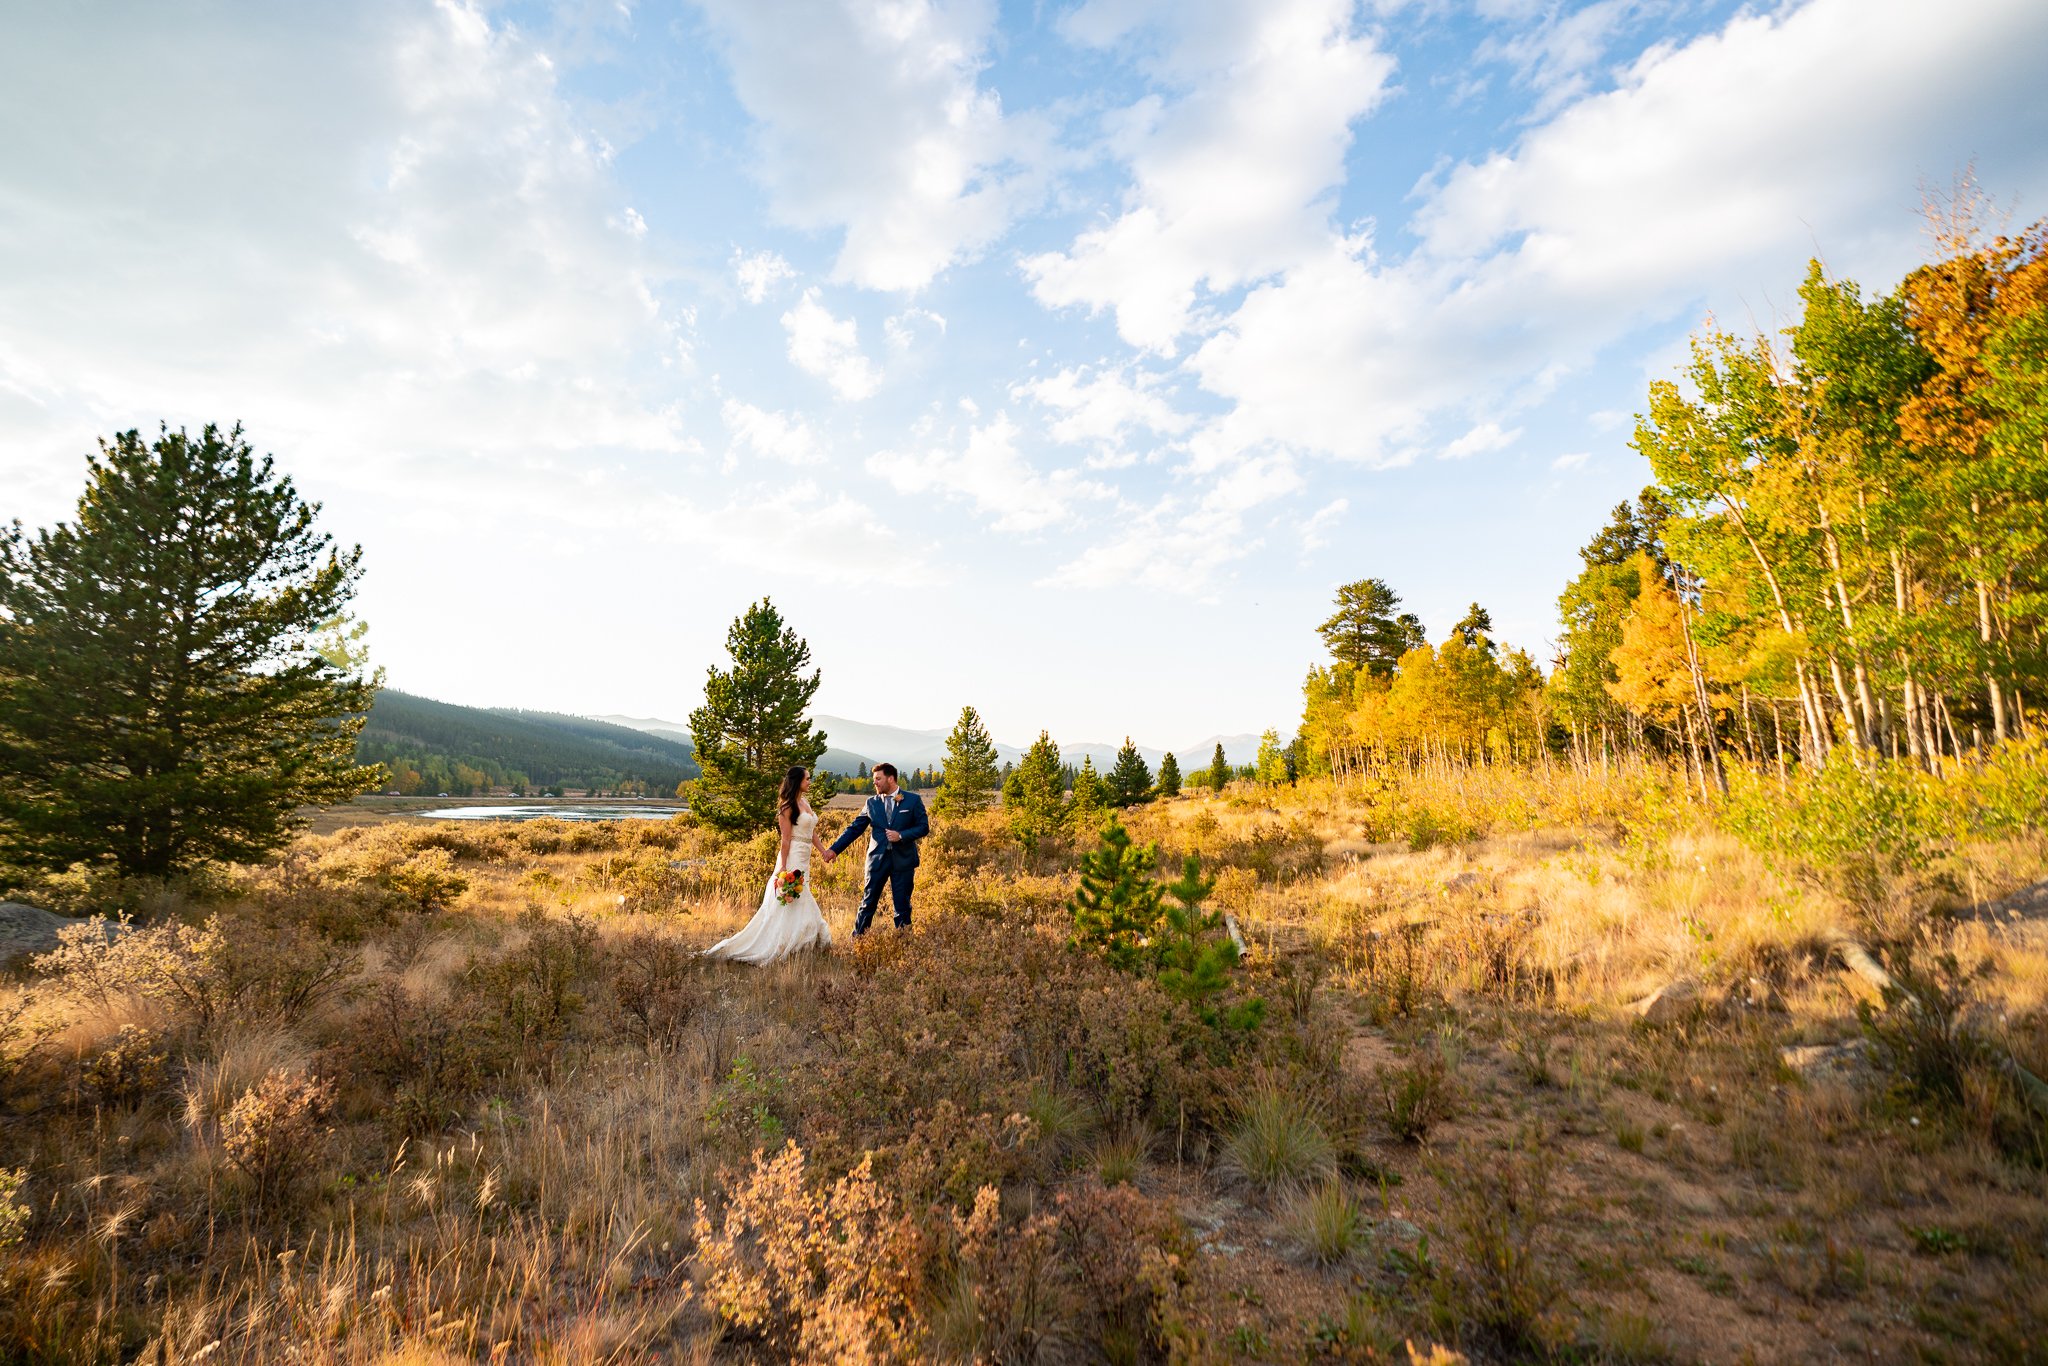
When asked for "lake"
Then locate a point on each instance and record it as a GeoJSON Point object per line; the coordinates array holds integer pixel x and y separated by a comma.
{"type": "Point", "coordinates": [553, 812]}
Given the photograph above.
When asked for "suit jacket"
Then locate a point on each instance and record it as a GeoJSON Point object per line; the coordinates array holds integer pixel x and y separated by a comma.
{"type": "Point", "coordinates": [910, 822]}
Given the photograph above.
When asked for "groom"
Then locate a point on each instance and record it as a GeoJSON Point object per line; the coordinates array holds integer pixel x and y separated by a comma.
{"type": "Point", "coordinates": [895, 821]}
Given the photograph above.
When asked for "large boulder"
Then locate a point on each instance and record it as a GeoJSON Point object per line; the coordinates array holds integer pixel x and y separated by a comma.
{"type": "Point", "coordinates": [26, 930]}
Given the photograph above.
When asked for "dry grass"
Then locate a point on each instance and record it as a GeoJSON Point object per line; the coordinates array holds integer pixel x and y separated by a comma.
{"type": "Point", "coordinates": [489, 1135]}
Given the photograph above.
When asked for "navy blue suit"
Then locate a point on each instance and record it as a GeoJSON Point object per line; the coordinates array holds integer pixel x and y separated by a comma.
{"type": "Point", "coordinates": [890, 862]}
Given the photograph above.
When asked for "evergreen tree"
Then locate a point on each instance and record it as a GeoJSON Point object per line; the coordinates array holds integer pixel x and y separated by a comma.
{"type": "Point", "coordinates": [1477, 628]}
{"type": "Point", "coordinates": [1366, 632]}
{"type": "Point", "coordinates": [1194, 953]}
{"type": "Point", "coordinates": [1091, 795]}
{"type": "Point", "coordinates": [1116, 907]}
{"type": "Point", "coordinates": [1271, 768]}
{"type": "Point", "coordinates": [752, 726]}
{"type": "Point", "coordinates": [1169, 776]}
{"type": "Point", "coordinates": [971, 778]}
{"type": "Point", "coordinates": [1036, 805]}
{"type": "Point", "coordinates": [1130, 782]}
{"type": "Point", "coordinates": [163, 698]}
{"type": "Point", "coordinates": [1219, 770]}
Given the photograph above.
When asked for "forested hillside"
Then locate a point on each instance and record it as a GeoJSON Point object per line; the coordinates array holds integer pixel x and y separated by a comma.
{"type": "Point", "coordinates": [436, 747]}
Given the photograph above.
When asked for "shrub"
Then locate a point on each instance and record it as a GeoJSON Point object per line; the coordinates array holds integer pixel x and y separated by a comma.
{"type": "Point", "coordinates": [533, 995]}
{"type": "Point", "coordinates": [427, 882]}
{"type": "Point", "coordinates": [242, 968]}
{"type": "Point", "coordinates": [1327, 1224]}
{"type": "Point", "coordinates": [657, 987]}
{"type": "Point", "coordinates": [432, 1059]}
{"type": "Point", "coordinates": [1867, 834]}
{"type": "Point", "coordinates": [13, 1213]}
{"type": "Point", "coordinates": [275, 1134]}
{"type": "Point", "coordinates": [127, 1069]}
{"type": "Point", "coordinates": [1496, 1277]}
{"type": "Point", "coordinates": [1278, 1142]}
{"type": "Point", "coordinates": [1418, 1094]}
{"type": "Point", "coordinates": [1926, 1035]}
{"type": "Point", "coordinates": [1130, 1262]}
{"type": "Point", "coordinates": [830, 1275]}
{"type": "Point", "coordinates": [1011, 1298]}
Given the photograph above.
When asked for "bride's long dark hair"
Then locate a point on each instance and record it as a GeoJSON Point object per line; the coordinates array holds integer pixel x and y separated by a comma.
{"type": "Point", "coordinates": [792, 785]}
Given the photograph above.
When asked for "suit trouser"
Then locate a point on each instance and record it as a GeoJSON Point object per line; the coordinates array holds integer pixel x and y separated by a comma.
{"type": "Point", "coordinates": [899, 877]}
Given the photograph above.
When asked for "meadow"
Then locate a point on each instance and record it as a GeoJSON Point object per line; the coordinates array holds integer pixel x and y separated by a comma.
{"type": "Point", "coordinates": [1555, 1063]}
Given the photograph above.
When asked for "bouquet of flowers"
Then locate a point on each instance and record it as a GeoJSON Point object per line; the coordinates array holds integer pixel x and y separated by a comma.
{"type": "Point", "coordinates": [789, 886]}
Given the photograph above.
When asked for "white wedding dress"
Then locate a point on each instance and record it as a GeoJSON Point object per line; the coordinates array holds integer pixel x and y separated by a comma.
{"type": "Point", "coordinates": [778, 929]}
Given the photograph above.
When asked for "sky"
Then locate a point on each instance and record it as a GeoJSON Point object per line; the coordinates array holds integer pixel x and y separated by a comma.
{"type": "Point", "coordinates": [1057, 358]}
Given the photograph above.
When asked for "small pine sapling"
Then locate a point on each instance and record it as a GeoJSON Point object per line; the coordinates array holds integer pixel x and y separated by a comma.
{"type": "Point", "coordinates": [1194, 956]}
{"type": "Point", "coordinates": [1116, 908]}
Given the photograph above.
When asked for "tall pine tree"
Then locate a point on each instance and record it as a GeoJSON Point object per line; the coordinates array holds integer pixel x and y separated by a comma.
{"type": "Point", "coordinates": [163, 697]}
{"type": "Point", "coordinates": [1219, 770]}
{"type": "Point", "coordinates": [1036, 805]}
{"type": "Point", "coordinates": [1366, 632]}
{"type": "Point", "coordinates": [753, 726]}
{"type": "Point", "coordinates": [1169, 776]}
{"type": "Point", "coordinates": [1130, 781]}
{"type": "Point", "coordinates": [971, 779]}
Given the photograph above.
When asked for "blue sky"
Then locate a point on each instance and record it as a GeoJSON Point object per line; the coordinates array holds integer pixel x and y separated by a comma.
{"type": "Point", "coordinates": [1056, 358]}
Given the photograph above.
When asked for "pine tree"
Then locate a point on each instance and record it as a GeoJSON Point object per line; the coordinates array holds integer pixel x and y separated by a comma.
{"type": "Point", "coordinates": [1366, 633]}
{"type": "Point", "coordinates": [752, 726]}
{"type": "Point", "coordinates": [1477, 628]}
{"type": "Point", "coordinates": [971, 779]}
{"type": "Point", "coordinates": [1130, 782]}
{"type": "Point", "coordinates": [1219, 771]}
{"type": "Point", "coordinates": [1116, 907]}
{"type": "Point", "coordinates": [163, 699]}
{"type": "Point", "coordinates": [1036, 807]}
{"type": "Point", "coordinates": [1194, 954]}
{"type": "Point", "coordinates": [1169, 776]}
{"type": "Point", "coordinates": [1091, 795]}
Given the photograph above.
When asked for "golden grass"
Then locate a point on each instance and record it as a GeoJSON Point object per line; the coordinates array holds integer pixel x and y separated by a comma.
{"type": "Point", "coordinates": [528, 1106]}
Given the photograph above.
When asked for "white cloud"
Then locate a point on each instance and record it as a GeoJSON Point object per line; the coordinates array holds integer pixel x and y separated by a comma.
{"type": "Point", "coordinates": [759, 272]}
{"type": "Point", "coordinates": [1574, 460]}
{"type": "Point", "coordinates": [1481, 440]}
{"type": "Point", "coordinates": [987, 471]}
{"type": "Point", "coordinates": [1102, 409]}
{"type": "Point", "coordinates": [1634, 207]}
{"type": "Point", "coordinates": [1315, 532]}
{"type": "Point", "coordinates": [904, 330]}
{"type": "Point", "coordinates": [1180, 545]}
{"type": "Point", "coordinates": [872, 119]}
{"type": "Point", "coordinates": [1228, 177]}
{"type": "Point", "coordinates": [403, 252]}
{"type": "Point", "coordinates": [771, 435]}
{"type": "Point", "coordinates": [829, 348]}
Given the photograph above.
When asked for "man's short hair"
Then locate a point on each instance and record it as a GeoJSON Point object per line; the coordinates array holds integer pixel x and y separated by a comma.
{"type": "Point", "coordinates": [889, 769]}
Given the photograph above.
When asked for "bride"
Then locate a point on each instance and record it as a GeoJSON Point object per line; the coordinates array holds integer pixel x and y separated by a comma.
{"type": "Point", "coordinates": [780, 928]}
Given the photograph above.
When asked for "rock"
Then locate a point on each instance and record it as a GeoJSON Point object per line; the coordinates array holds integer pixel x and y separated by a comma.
{"type": "Point", "coordinates": [1396, 1231]}
{"type": "Point", "coordinates": [1828, 1061]}
{"type": "Point", "coordinates": [1463, 882]}
{"type": "Point", "coordinates": [1668, 1004]}
{"type": "Point", "coordinates": [28, 930]}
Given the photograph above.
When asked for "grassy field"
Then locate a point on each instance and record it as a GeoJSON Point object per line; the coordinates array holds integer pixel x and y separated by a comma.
{"type": "Point", "coordinates": [426, 1092]}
